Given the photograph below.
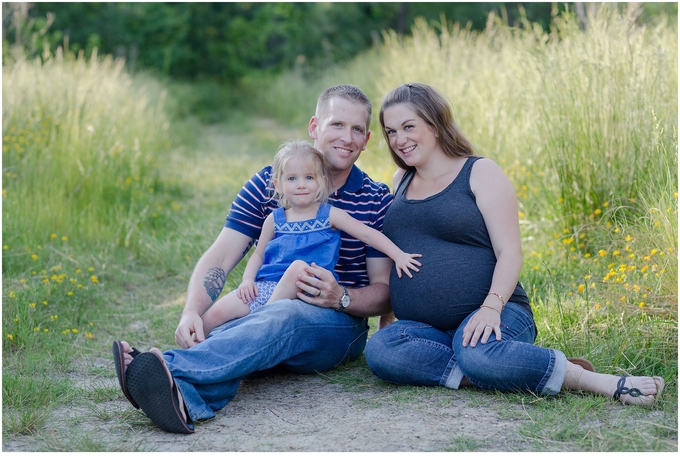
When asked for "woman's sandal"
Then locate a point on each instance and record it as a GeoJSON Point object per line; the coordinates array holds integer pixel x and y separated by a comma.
{"type": "Point", "coordinates": [119, 362]}
{"type": "Point", "coordinates": [621, 389]}
{"type": "Point", "coordinates": [585, 363]}
{"type": "Point", "coordinates": [152, 386]}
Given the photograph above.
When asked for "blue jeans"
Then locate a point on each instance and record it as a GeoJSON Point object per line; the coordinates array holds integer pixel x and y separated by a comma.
{"type": "Point", "coordinates": [299, 336]}
{"type": "Point", "coordinates": [413, 353]}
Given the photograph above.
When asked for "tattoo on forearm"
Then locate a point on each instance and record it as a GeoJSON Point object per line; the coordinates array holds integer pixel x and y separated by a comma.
{"type": "Point", "coordinates": [214, 282]}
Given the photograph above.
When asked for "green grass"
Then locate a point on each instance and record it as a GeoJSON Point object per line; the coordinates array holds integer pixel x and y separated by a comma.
{"type": "Point", "coordinates": [102, 227]}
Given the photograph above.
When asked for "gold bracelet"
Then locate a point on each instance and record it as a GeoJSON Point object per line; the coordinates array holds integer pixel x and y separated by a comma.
{"type": "Point", "coordinates": [492, 308]}
{"type": "Point", "coordinates": [499, 296]}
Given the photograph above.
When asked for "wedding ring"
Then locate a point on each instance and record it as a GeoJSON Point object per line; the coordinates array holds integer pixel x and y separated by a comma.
{"type": "Point", "coordinates": [488, 324]}
{"type": "Point", "coordinates": [319, 294]}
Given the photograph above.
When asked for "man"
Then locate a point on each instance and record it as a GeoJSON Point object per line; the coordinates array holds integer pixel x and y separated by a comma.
{"type": "Point", "coordinates": [324, 328]}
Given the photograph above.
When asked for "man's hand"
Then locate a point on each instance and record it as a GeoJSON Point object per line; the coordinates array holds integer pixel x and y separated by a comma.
{"type": "Point", "coordinates": [320, 284]}
{"type": "Point", "coordinates": [189, 332]}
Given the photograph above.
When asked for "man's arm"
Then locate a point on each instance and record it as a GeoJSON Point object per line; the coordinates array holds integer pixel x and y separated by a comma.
{"type": "Point", "coordinates": [368, 301]}
{"type": "Point", "coordinates": [207, 282]}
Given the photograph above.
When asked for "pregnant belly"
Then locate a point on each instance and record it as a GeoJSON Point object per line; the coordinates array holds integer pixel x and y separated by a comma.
{"type": "Point", "coordinates": [449, 286]}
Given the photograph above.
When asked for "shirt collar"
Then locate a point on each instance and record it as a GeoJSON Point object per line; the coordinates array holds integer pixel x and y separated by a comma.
{"type": "Point", "coordinates": [355, 181]}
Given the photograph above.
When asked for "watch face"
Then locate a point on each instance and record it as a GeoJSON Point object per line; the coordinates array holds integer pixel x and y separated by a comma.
{"type": "Point", "coordinates": [344, 301]}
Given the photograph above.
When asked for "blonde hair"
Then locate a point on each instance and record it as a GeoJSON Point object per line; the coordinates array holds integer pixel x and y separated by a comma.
{"type": "Point", "coordinates": [300, 148]}
{"type": "Point", "coordinates": [347, 92]}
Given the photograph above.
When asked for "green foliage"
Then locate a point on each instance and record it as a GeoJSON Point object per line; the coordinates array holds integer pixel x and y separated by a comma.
{"type": "Point", "coordinates": [80, 151]}
{"type": "Point", "coordinates": [600, 253]}
{"type": "Point", "coordinates": [228, 41]}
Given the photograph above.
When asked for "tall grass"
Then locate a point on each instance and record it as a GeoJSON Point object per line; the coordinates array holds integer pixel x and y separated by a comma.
{"type": "Point", "coordinates": [81, 143]}
{"type": "Point", "coordinates": [584, 124]}
{"type": "Point", "coordinates": [80, 150]}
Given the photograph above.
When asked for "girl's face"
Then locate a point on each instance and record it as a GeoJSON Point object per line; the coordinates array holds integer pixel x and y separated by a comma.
{"type": "Point", "coordinates": [410, 137]}
{"type": "Point", "coordinates": [299, 182]}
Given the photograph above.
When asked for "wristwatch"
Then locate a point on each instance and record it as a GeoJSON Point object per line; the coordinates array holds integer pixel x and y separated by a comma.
{"type": "Point", "coordinates": [344, 300]}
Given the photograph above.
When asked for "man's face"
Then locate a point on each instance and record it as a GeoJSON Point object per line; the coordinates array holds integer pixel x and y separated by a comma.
{"type": "Point", "coordinates": [340, 133]}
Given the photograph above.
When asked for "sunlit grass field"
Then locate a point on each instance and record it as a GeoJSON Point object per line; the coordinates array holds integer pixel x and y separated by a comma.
{"type": "Point", "coordinates": [108, 199]}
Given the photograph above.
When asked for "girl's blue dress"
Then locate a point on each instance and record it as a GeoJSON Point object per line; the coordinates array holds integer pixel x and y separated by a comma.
{"type": "Point", "coordinates": [310, 240]}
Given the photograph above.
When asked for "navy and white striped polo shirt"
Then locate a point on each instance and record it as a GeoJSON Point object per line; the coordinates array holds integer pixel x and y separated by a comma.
{"type": "Point", "coordinates": [361, 197]}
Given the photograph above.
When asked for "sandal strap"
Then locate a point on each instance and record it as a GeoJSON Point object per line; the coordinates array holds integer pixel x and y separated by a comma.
{"type": "Point", "coordinates": [621, 389]}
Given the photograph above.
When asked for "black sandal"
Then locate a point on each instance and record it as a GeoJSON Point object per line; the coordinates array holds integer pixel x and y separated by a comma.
{"type": "Point", "coordinates": [621, 389]}
{"type": "Point", "coordinates": [156, 393]}
{"type": "Point", "coordinates": [119, 362]}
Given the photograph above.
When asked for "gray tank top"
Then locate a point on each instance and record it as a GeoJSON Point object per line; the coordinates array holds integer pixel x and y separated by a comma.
{"type": "Point", "coordinates": [458, 258]}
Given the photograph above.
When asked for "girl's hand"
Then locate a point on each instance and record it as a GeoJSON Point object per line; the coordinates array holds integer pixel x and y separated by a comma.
{"type": "Point", "coordinates": [405, 262]}
{"type": "Point", "coordinates": [247, 291]}
{"type": "Point", "coordinates": [484, 322]}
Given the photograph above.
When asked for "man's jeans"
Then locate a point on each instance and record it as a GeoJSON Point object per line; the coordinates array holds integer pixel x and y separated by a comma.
{"type": "Point", "coordinates": [413, 353]}
{"type": "Point", "coordinates": [303, 338]}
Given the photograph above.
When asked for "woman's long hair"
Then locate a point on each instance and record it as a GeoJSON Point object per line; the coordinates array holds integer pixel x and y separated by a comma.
{"type": "Point", "coordinates": [433, 108]}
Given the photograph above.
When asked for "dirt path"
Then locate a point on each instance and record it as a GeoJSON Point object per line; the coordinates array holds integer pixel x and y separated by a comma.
{"type": "Point", "coordinates": [292, 413]}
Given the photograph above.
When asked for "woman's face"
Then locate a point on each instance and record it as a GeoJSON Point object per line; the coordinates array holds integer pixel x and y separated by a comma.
{"type": "Point", "coordinates": [410, 137]}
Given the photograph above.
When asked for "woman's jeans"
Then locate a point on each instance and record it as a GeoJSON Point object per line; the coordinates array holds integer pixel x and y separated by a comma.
{"type": "Point", "coordinates": [301, 337]}
{"type": "Point", "coordinates": [413, 353]}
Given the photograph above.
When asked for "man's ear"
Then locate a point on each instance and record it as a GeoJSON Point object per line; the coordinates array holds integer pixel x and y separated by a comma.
{"type": "Point", "coordinates": [313, 126]}
{"type": "Point", "coordinates": [368, 136]}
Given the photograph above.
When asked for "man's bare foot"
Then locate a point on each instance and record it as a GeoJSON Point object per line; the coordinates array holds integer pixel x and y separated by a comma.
{"type": "Point", "coordinates": [127, 353]}
{"type": "Point", "coordinates": [123, 355]}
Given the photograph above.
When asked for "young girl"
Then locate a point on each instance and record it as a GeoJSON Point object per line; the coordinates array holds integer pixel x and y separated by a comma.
{"type": "Point", "coordinates": [302, 231]}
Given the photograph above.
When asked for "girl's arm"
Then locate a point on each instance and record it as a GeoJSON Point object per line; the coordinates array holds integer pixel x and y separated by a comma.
{"type": "Point", "coordinates": [345, 222]}
{"type": "Point", "coordinates": [247, 290]}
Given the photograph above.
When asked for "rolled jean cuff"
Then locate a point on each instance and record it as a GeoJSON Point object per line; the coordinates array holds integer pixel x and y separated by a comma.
{"type": "Point", "coordinates": [556, 379]}
{"type": "Point", "coordinates": [455, 378]}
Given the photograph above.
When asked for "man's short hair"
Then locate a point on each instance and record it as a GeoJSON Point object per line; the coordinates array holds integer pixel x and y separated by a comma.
{"type": "Point", "coordinates": [348, 92]}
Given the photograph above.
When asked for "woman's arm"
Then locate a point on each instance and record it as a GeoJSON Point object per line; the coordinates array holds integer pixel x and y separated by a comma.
{"type": "Point", "coordinates": [497, 202]}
